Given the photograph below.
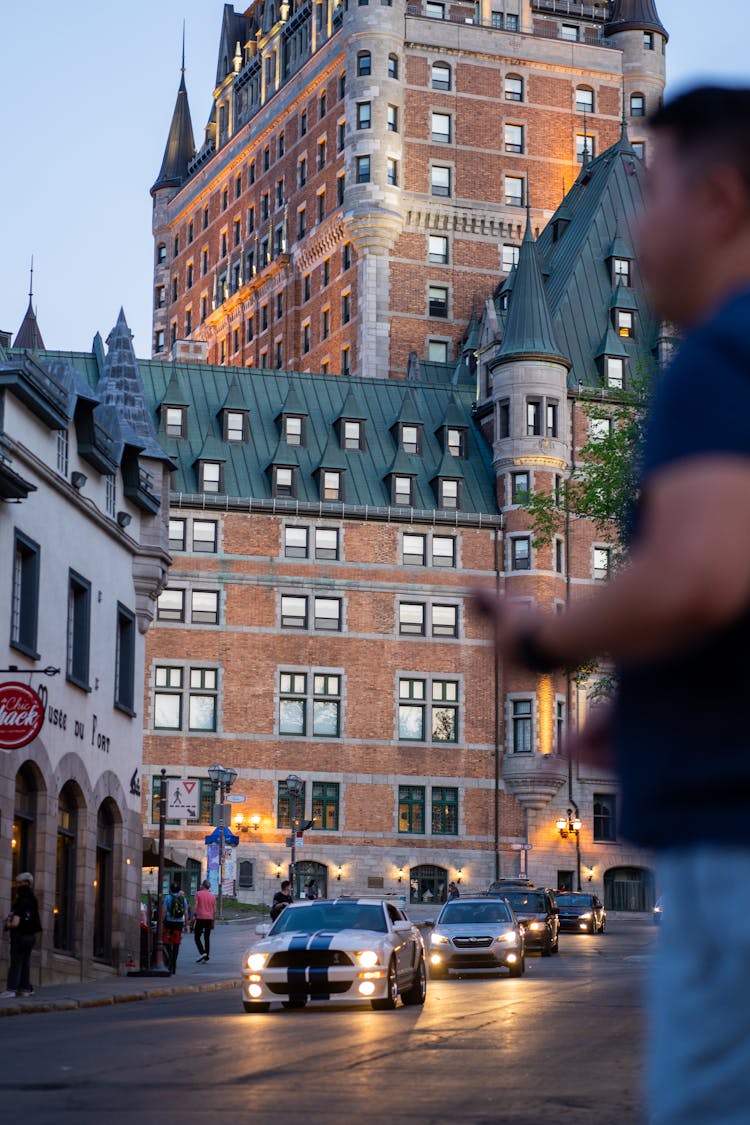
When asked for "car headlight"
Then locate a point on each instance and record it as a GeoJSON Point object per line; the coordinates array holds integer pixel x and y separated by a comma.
{"type": "Point", "coordinates": [367, 959]}
{"type": "Point", "coordinates": [585, 917]}
{"type": "Point", "coordinates": [535, 926]}
{"type": "Point", "coordinates": [508, 936]}
{"type": "Point", "coordinates": [438, 939]}
{"type": "Point", "coordinates": [256, 961]}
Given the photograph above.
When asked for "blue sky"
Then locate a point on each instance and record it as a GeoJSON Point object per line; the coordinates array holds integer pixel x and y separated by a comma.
{"type": "Point", "coordinates": [86, 95]}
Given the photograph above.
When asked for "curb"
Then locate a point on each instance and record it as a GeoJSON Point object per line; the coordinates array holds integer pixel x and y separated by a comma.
{"type": "Point", "coordinates": [70, 1004]}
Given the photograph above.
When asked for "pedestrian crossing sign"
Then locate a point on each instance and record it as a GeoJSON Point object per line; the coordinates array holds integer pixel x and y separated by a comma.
{"type": "Point", "coordinates": [182, 799]}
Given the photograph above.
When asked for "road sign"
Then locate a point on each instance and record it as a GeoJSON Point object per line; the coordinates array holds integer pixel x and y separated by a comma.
{"type": "Point", "coordinates": [182, 799]}
{"type": "Point", "coordinates": [236, 798]}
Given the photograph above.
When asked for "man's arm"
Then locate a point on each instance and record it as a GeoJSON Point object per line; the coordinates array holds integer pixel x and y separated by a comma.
{"type": "Point", "coordinates": [688, 575]}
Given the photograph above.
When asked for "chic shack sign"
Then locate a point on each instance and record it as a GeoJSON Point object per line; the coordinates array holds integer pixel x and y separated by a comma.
{"type": "Point", "coordinates": [21, 715]}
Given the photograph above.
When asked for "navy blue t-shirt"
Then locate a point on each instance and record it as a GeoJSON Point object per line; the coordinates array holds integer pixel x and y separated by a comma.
{"type": "Point", "coordinates": [682, 725]}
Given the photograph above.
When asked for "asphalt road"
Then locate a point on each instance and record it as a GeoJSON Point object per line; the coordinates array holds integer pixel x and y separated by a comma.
{"type": "Point", "coordinates": [561, 1043]}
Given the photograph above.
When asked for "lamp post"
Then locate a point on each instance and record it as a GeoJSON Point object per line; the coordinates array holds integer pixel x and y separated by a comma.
{"type": "Point", "coordinates": [572, 824]}
{"type": "Point", "coordinates": [294, 788]}
{"type": "Point", "coordinates": [222, 780]}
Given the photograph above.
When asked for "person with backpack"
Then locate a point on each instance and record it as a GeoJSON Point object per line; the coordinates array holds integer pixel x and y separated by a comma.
{"type": "Point", "coordinates": [175, 916]}
{"type": "Point", "coordinates": [23, 924]}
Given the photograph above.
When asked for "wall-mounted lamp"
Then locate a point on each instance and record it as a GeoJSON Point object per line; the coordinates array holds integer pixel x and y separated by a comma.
{"type": "Point", "coordinates": [278, 870]}
{"type": "Point", "coordinates": [78, 480]}
{"type": "Point", "coordinates": [590, 872]}
{"type": "Point", "coordinates": [124, 519]}
{"type": "Point", "coordinates": [568, 823]}
{"type": "Point", "coordinates": [338, 873]}
{"type": "Point", "coordinates": [239, 823]}
{"type": "Point", "coordinates": [459, 874]}
{"type": "Point", "coordinates": [255, 822]}
{"type": "Point", "coordinates": [400, 874]}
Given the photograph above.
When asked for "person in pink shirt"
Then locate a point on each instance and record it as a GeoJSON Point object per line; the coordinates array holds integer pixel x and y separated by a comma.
{"type": "Point", "coordinates": [204, 914]}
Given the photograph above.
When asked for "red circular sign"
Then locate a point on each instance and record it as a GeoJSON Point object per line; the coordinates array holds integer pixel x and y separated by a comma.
{"type": "Point", "coordinates": [21, 715]}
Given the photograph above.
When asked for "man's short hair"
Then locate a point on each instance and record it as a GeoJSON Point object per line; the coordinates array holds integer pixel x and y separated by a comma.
{"type": "Point", "coordinates": [285, 883]}
{"type": "Point", "coordinates": [206, 885]}
{"type": "Point", "coordinates": [712, 122]}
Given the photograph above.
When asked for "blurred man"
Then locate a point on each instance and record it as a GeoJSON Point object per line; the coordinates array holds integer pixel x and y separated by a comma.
{"type": "Point", "coordinates": [676, 620]}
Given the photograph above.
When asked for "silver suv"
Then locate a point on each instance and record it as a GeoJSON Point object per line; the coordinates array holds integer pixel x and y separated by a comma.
{"type": "Point", "coordinates": [477, 933]}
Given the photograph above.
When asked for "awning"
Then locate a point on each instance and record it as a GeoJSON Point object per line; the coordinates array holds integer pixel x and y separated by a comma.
{"type": "Point", "coordinates": [172, 857]}
{"type": "Point", "coordinates": [229, 837]}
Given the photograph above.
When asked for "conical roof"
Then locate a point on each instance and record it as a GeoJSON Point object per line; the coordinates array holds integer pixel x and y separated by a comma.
{"type": "Point", "coordinates": [449, 467]}
{"type": "Point", "coordinates": [612, 344]}
{"type": "Point", "coordinates": [624, 298]}
{"type": "Point", "coordinates": [234, 399]}
{"type": "Point", "coordinates": [408, 415]}
{"type": "Point", "coordinates": [333, 456]}
{"type": "Point", "coordinates": [529, 331]}
{"type": "Point", "coordinates": [351, 408]}
{"type": "Point", "coordinates": [180, 147]}
{"type": "Point", "coordinates": [29, 335]}
{"type": "Point", "coordinates": [293, 404]}
{"type": "Point", "coordinates": [634, 15]}
{"type": "Point", "coordinates": [121, 386]}
{"type": "Point", "coordinates": [174, 395]}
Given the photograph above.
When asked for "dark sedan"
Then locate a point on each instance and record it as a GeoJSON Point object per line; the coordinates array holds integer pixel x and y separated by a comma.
{"type": "Point", "coordinates": [583, 913]}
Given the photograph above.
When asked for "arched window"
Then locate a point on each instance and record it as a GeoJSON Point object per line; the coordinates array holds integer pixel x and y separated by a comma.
{"type": "Point", "coordinates": [306, 870]}
{"type": "Point", "coordinates": [393, 66]}
{"type": "Point", "coordinates": [637, 104]}
{"type": "Point", "coordinates": [428, 884]}
{"type": "Point", "coordinates": [584, 99]}
{"type": "Point", "coordinates": [104, 881]}
{"type": "Point", "coordinates": [65, 874]}
{"type": "Point", "coordinates": [364, 63]}
{"type": "Point", "coordinates": [513, 88]}
{"type": "Point", "coordinates": [441, 76]}
{"type": "Point", "coordinates": [24, 820]}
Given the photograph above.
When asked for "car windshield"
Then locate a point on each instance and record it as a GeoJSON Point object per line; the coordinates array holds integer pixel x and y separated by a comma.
{"type": "Point", "coordinates": [574, 900]}
{"type": "Point", "coordinates": [467, 913]}
{"type": "Point", "coordinates": [331, 917]}
{"type": "Point", "coordinates": [526, 902]}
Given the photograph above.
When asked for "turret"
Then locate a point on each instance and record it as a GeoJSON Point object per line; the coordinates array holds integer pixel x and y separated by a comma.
{"type": "Point", "coordinates": [635, 29]}
{"type": "Point", "coordinates": [29, 335]}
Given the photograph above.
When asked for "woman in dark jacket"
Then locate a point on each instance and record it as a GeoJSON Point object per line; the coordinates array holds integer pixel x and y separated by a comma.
{"type": "Point", "coordinates": [23, 925]}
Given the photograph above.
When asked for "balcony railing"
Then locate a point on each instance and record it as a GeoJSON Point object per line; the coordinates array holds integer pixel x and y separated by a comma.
{"type": "Point", "coordinates": [576, 9]}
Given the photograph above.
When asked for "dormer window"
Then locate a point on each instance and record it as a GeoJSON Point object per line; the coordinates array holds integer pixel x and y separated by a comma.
{"type": "Point", "coordinates": [455, 441]}
{"type": "Point", "coordinates": [175, 421]}
{"type": "Point", "coordinates": [621, 271]}
{"type": "Point", "coordinates": [332, 485]}
{"type": "Point", "coordinates": [284, 484]}
{"type": "Point", "coordinates": [211, 476]}
{"type": "Point", "coordinates": [352, 434]}
{"type": "Point", "coordinates": [403, 490]}
{"type": "Point", "coordinates": [294, 429]}
{"type": "Point", "coordinates": [624, 323]}
{"type": "Point", "coordinates": [614, 371]}
{"type": "Point", "coordinates": [235, 425]}
{"type": "Point", "coordinates": [411, 438]}
{"type": "Point", "coordinates": [448, 492]}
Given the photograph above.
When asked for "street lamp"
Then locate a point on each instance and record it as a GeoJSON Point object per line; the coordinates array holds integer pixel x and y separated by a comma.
{"type": "Point", "coordinates": [222, 778]}
{"type": "Point", "coordinates": [572, 824]}
{"type": "Point", "coordinates": [294, 786]}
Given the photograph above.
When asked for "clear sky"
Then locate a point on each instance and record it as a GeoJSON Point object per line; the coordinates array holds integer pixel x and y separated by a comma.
{"type": "Point", "coordinates": [86, 95]}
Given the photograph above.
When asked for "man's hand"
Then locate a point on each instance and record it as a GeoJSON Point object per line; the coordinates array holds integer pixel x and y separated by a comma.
{"type": "Point", "coordinates": [509, 620]}
{"type": "Point", "coordinates": [592, 745]}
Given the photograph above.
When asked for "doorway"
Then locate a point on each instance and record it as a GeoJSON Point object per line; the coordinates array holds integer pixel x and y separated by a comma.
{"type": "Point", "coordinates": [304, 871]}
{"type": "Point", "coordinates": [428, 884]}
{"type": "Point", "coordinates": [629, 888]}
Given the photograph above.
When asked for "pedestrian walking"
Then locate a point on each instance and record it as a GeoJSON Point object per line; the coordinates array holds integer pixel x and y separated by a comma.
{"type": "Point", "coordinates": [205, 915]}
{"type": "Point", "coordinates": [281, 899]}
{"type": "Point", "coordinates": [23, 924]}
{"type": "Point", "coordinates": [175, 913]}
{"type": "Point", "coordinates": [453, 892]}
{"type": "Point", "coordinates": [676, 619]}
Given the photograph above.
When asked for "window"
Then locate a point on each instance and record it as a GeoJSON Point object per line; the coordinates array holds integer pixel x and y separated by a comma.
{"type": "Point", "coordinates": [79, 630]}
{"type": "Point", "coordinates": [560, 727]}
{"type": "Point", "coordinates": [445, 620]}
{"type": "Point", "coordinates": [455, 441]}
{"type": "Point", "coordinates": [411, 710]}
{"type": "Point", "coordinates": [321, 205]}
{"type": "Point", "coordinates": [322, 155]}
{"type": "Point", "coordinates": [514, 138]}
{"type": "Point", "coordinates": [364, 115]}
{"type": "Point", "coordinates": [211, 476]}
{"type": "Point", "coordinates": [445, 811]}
{"type": "Point", "coordinates": [443, 550]}
{"type": "Point", "coordinates": [363, 169]}
{"type": "Point", "coordinates": [169, 701]}
{"type": "Point", "coordinates": [621, 269]}
{"type": "Point", "coordinates": [325, 806]}
{"type": "Point", "coordinates": [639, 148]}
{"type": "Point", "coordinates": [533, 418]}
{"type": "Point", "coordinates": [392, 118]}
{"type": "Point", "coordinates": [170, 605]}
{"type": "Point", "coordinates": [346, 308]}
{"type": "Point", "coordinates": [235, 425]}
{"type": "Point", "coordinates": [440, 127]}
{"type": "Point", "coordinates": [353, 435]}
{"type": "Point", "coordinates": [279, 192]}
{"type": "Point", "coordinates": [326, 543]}
{"type": "Point", "coordinates": [437, 296]}
{"type": "Point", "coordinates": [602, 563]}
{"type": "Point", "coordinates": [509, 257]}
{"type": "Point", "coordinates": [552, 419]}
{"type": "Point", "coordinates": [293, 612]}
{"type": "Point", "coordinates": [637, 105]}
{"type": "Point", "coordinates": [503, 419]}
{"type": "Point", "coordinates": [346, 256]}
{"type": "Point", "coordinates": [345, 361]}
{"type": "Point", "coordinates": [159, 340]}
{"type": "Point", "coordinates": [340, 186]}
{"type": "Point", "coordinates": [301, 172]}
{"type": "Point", "coordinates": [440, 75]}
{"type": "Point", "coordinates": [321, 106]}
{"type": "Point", "coordinates": [264, 318]}
{"type": "Point", "coordinates": [411, 438]}
{"type": "Point", "coordinates": [513, 88]}
{"type": "Point", "coordinates": [204, 536]}
{"type": "Point", "coordinates": [283, 479]}
{"type": "Point", "coordinates": [624, 322]}
{"type": "Point", "coordinates": [570, 32]}
{"type": "Point", "coordinates": [161, 254]}
{"type": "Point", "coordinates": [325, 324]}
{"type": "Point", "coordinates": [511, 22]}
{"type": "Point", "coordinates": [605, 816]}
{"type": "Point", "coordinates": [177, 534]}
{"type": "Point", "coordinates": [327, 614]}
{"type": "Point", "coordinates": [411, 807]}
{"type": "Point", "coordinates": [649, 41]}
{"type": "Point", "coordinates": [190, 275]}
{"type": "Point", "coordinates": [419, 618]}
{"type": "Point", "coordinates": [24, 615]}
{"type": "Point", "coordinates": [125, 660]}
{"type": "Point", "coordinates": [519, 488]}
{"type": "Point", "coordinates": [440, 550]}
{"type": "Point", "coordinates": [393, 66]}
{"type": "Point", "coordinates": [204, 607]}
{"type": "Point", "coordinates": [340, 136]}
{"type": "Point", "coordinates": [521, 726]}
{"type": "Point", "coordinates": [331, 485]}
{"type": "Point", "coordinates": [403, 491]}
{"type": "Point", "coordinates": [585, 144]}
{"type": "Point", "coordinates": [364, 64]}
{"type": "Point", "coordinates": [514, 191]}
{"type": "Point", "coordinates": [301, 222]}
{"type": "Point", "coordinates": [599, 428]}
{"type": "Point", "coordinates": [63, 447]}
{"type": "Point", "coordinates": [391, 171]}
{"type": "Point", "coordinates": [434, 10]}
{"type": "Point", "coordinates": [284, 805]}
{"type": "Point", "coordinates": [204, 262]}
{"type": "Point", "coordinates": [520, 553]}
{"type": "Point", "coordinates": [438, 249]}
{"type": "Point", "coordinates": [300, 710]}
{"type": "Point", "coordinates": [342, 84]}
{"type": "Point", "coordinates": [559, 556]}
{"type": "Point", "coordinates": [440, 180]}
{"type": "Point", "coordinates": [295, 542]}
{"type": "Point", "coordinates": [413, 550]}
{"type": "Point", "coordinates": [411, 619]}
{"type": "Point", "coordinates": [188, 321]}
{"type": "Point", "coordinates": [437, 351]}
{"type": "Point", "coordinates": [421, 710]}
{"type": "Point", "coordinates": [224, 250]}
{"type": "Point", "coordinates": [449, 493]}
{"type": "Point", "coordinates": [294, 423]}
{"type": "Point", "coordinates": [584, 99]}
{"type": "Point", "coordinates": [614, 368]}
{"type": "Point", "coordinates": [246, 874]}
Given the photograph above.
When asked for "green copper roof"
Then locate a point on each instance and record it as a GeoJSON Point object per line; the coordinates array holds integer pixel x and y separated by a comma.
{"type": "Point", "coordinates": [449, 466]}
{"type": "Point", "coordinates": [174, 395]}
{"type": "Point", "coordinates": [234, 399]}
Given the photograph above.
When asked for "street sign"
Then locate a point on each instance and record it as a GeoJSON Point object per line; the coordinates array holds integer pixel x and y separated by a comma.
{"type": "Point", "coordinates": [236, 798]}
{"type": "Point", "coordinates": [182, 799]}
{"type": "Point", "coordinates": [21, 715]}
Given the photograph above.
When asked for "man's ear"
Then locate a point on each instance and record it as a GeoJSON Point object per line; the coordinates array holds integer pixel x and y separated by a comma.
{"type": "Point", "coordinates": [726, 200]}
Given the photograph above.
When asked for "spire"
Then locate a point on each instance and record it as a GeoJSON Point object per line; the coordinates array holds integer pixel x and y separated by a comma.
{"type": "Point", "coordinates": [180, 147]}
{"type": "Point", "coordinates": [634, 15]}
{"type": "Point", "coordinates": [529, 331]}
{"type": "Point", "coordinates": [121, 387]}
{"type": "Point", "coordinates": [29, 336]}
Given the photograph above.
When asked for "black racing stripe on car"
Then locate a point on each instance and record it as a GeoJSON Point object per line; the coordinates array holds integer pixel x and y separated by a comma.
{"type": "Point", "coordinates": [295, 977]}
{"type": "Point", "coordinates": [319, 976]}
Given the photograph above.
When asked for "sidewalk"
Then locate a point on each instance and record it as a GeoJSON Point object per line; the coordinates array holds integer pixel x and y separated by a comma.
{"type": "Point", "coordinates": [229, 941]}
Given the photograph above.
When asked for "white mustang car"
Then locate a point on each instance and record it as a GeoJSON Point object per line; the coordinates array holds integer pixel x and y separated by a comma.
{"type": "Point", "coordinates": [346, 949]}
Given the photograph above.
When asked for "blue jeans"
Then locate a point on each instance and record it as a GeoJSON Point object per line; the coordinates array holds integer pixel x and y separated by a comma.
{"type": "Point", "coordinates": [699, 1058]}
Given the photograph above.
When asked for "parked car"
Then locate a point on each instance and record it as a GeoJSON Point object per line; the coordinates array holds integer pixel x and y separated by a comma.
{"type": "Point", "coordinates": [501, 885]}
{"type": "Point", "coordinates": [343, 949]}
{"type": "Point", "coordinates": [477, 933]}
{"type": "Point", "coordinates": [581, 912]}
{"type": "Point", "coordinates": [536, 909]}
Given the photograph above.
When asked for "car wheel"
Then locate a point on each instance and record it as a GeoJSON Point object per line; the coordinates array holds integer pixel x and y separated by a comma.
{"type": "Point", "coordinates": [518, 969]}
{"type": "Point", "coordinates": [593, 927]}
{"type": "Point", "coordinates": [253, 1006]}
{"type": "Point", "coordinates": [389, 1002]}
{"type": "Point", "coordinates": [418, 991]}
{"type": "Point", "coordinates": [546, 949]}
{"type": "Point", "coordinates": [601, 928]}
{"type": "Point", "coordinates": [293, 1005]}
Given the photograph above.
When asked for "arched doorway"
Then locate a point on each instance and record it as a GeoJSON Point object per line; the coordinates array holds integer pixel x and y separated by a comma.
{"type": "Point", "coordinates": [428, 884]}
{"type": "Point", "coordinates": [104, 881]}
{"type": "Point", "coordinates": [304, 871]}
{"type": "Point", "coordinates": [24, 820]}
{"type": "Point", "coordinates": [65, 868]}
{"type": "Point", "coordinates": [629, 888]}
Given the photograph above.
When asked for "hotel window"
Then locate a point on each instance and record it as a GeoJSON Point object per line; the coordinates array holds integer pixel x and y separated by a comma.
{"type": "Point", "coordinates": [204, 537]}
{"type": "Point", "coordinates": [340, 186]}
{"type": "Point", "coordinates": [434, 10]}
{"type": "Point", "coordinates": [602, 563]}
{"type": "Point", "coordinates": [346, 308]}
{"type": "Point", "coordinates": [345, 361]}
{"type": "Point", "coordinates": [438, 249]}
{"type": "Point", "coordinates": [353, 434]}
{"type": "Point", "coordinates": [331, 485]}
{"type": "Point", "coordinates": [437, 297]}
{"type": "Point", "coordinates": [392, 118]}
{"type": "Point", "coordinates": [63, 446]}
{"type": "Point", "coordinates": [449, 493]}
{"type": "Point", "coordinates": [306, 289]}
{"type": "Point", "coordinates": [624, 322]}
{"type": "Point", "coordinates": [264, 318]}
{"type": "Point", "coordinates": [224, 198]}
{"type": "Point", "coordinates": [520, 553]}
{"type": "Point", "coordinates": [283, 481]}
{"type": "Point", "coordinates": [585, 142]}
{"type": "Point", "coordinates": [24, 617]}
{"type": "Point", "coordinates": [639, 148]}
{"type": "Point", "coordinates": [177, 529]}
{"type": "Point", "coordinates": [236, 232]}
{"type": "Point", "coordinates": [621, 270]}
{"type": "Point", "coordinates": [284, 806]}
{"type": "Point", "coordinates": [440, 180]}
{"type": "Point", "coordinates": [327, 614]}
{"type": "Point", "coordinates": [211, 476]}
{"type": "Point", "coordinates": [437, 351]}
{"type": "Point", "coordinates": [440, 127]}
{"type": "Point", "coordinates": [204, 607]}
{"type": "Point", "coordinates": [125, 660]}
{"type": "Point", "coordinates": [418, 618]}
{"type": "Point", "coordinates": [300, 710]}
{"type": "Point", "coordinates": [235, 425]}
{"type": "Point", "coordinates": [391, 171]}
{"type": "Point", "coordinates": [305, 340]}
{"type": "Point", "coordinates": [189, 280]}
{"type": "Point", "coordinates": [649, 41]}
{"type": "Point", "coordinates": [204, 306]}
{"type": "Point", "coordinates": [79, 630]}
{"type": "Point", "coordinates": [599, 429]}
{"type": "Point", "coordinates": [513, 88]}
{"type": "Point", "coordinates": [411, 438]}
{"type": "Point", "coordinates": [161, 254]}
{"type": "Point", "coordinates": [533, 418]}
{"type": "Point", "coordinates": [279, 192]}
{"type": "Point", "coordinates": [519, 488]}
{"type": "Point", "coordinates": [514, 138]}
{"type": "Point", "coordinates": [514, 186]}
{"type": "Point", "coordinates": [364, 64]}
{"type": "Point", "coordinates": [637, 105]}
{"type": "Point", "coordinates": [342, 84]}
{"type": "Point", "coordinates": [503, 419]}
{"type": "Point", "coordinates": [440, 75]}
{"type": "Point", "coordinates": [444, 811]}
{"type": "Point", "coordinates": [428, 706]}
{"type": "Point", "coordinates": [205, 217]}
{"type": "Point", "coordinates": [322, 105]}
{"type": "Point", "coordinates": [293, 612]}
{"type": "Point", "coordinates": [403, 491]}
{"type": "Point", "coordinates": [455, 441]}
{"type": "Point", "coordinates": [325, 806]}
{"type": "Point", "coordinates": [570, 32]}
{"type": "Point", "coordinates": [170, 703]}
{"type": "Point", "coordinates": [326, 543]}
{"type": "Point", "coordinates": [443, 550]}
{"type": "Point", "coordinates": [302, 171]}
{"type": "Point", "coordinates": [605, 817]}
{"type": "Point", "coordinates": [584, 99]}
{"type": "Point", "coordinates": [188, 321]}
{"type": "Point", "coordinates": [321, 155]}
{"type": "Point", "coordinates": [559, 556]}
{"type": "Point", "coordinates": [560, 727]}
{"type": "Point", "coordinates": [295, 542]}
{"type": "Point", "coordinates": [363, 169]}
{"type": "Point", "coordinates": [321, 205]}
{"type": "Point", "coordinates": [325, 324]}
{"type": "Point", "coordinates": [281, 144]}
{"type": "Point", "coordinates": [204, 263]}
{"type": "Point", "coordinates": [509, 257]}
{"type": "Point", "coordinates": [552, 419]}
{"type": "Point", "coordinates": [264, 206]}
{"type": "Point", "coordinates": [522, 725]}
{"type": "Point", "coordinates": [170, 605]}
{"type": "Point", "coordinates": [340, 136]}
{"type": "Point", "coordinates": [614, 367]}
{"type": "Point", "coordinates": [411, 619]}
{"type": "Point", "coordinates": [250, 329]}
{"type": "Point", "coordinates": [411, 809]}
{"type": "Point", "coordinates": [224, 249]}
{"type": "Point", "coordinates": [346, 256]}
{"type": "Point", "coordinates": [393, 66]}
{"type": "Point", "coordinates": [364, 115]}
